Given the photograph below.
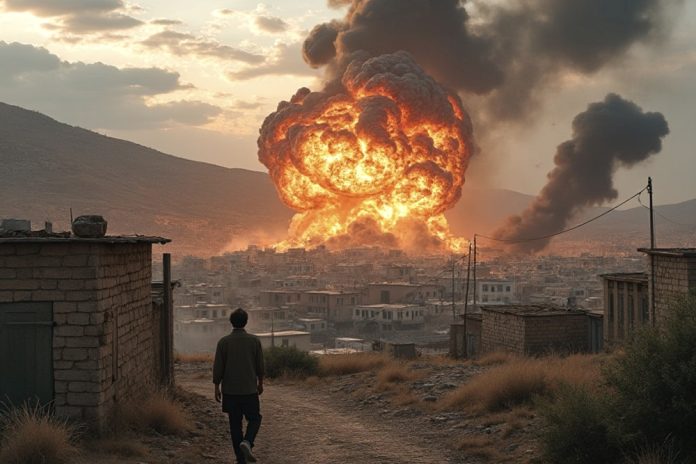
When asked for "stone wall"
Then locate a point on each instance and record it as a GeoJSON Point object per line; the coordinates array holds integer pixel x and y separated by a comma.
{"type": "Point", "coordinates": [502, 332]}
{"type": "Point", "coordinates": [674, 277]}
{"type": "Point", "coordinates": [106, 333]}
{"type": "Point", "coordinates": [567, 333]}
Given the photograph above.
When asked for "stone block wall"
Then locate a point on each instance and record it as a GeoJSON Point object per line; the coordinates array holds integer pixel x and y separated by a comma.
{"type": "Point", "coordinates": [502, 332]}
{"type": "Point", "coordinates": [106, 335]}
{"type": "Point", "coordinates": [566, 333]}
{"type": "Point", "coordinates": [675, 278]}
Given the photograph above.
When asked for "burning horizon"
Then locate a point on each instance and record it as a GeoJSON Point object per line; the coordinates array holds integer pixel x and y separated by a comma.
{"type": "Point", "coordinates": [374, 158]}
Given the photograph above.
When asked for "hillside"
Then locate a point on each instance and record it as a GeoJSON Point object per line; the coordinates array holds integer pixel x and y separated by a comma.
{"type": "Point", "coordinates": [49, 167]}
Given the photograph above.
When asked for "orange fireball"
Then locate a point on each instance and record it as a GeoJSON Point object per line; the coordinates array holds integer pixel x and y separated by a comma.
{"type": "Point", "coordinates": [386, 146]}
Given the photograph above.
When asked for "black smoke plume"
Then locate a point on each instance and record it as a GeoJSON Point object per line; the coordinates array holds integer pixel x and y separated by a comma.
{"type": "Point", "coordinates": [509, 52]}
{"type": "Point", "coordinates": [610, 134]}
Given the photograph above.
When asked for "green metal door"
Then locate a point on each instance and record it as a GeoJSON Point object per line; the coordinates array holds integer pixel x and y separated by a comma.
{"type": "Point", "coordinates": [26, 352]}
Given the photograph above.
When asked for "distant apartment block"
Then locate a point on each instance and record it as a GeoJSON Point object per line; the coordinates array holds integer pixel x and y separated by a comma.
{"type": "Point", "coordinates": [401, 293]}
{"type": "Point", "coordinates": [387, 317]}
{"type": "Point", "coordinates": [496, 292]}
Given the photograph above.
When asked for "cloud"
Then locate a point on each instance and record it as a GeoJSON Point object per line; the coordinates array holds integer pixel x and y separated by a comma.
{"type": "Point", "coordinates": [181, 44]}
{"type": "Point", "coordinates": [286, 60]}
{"type": "Point", "coordinates": [95, 95]}
{"type": "Point", "coordinates": [78, 16]}
{"type": "Point", "coordinates": [166, 22]}
{"type": "Point", "coordinates": [271, 24]}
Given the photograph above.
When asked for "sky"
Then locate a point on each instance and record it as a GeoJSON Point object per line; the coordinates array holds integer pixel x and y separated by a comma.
{"type": "Point", "coordinates": [196, 79]}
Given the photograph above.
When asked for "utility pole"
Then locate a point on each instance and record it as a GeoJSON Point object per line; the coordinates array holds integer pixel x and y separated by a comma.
{"type": "Point", "coordinates": [652, 255]}
{"type": "Point", "coordinates": [466, 304]}
{"type": "Point", "coordinates": [474, 302]}
{"type": "Point", "coordinates": [652, 214]}
{"type": "Point", "coordinates": [454, 312]}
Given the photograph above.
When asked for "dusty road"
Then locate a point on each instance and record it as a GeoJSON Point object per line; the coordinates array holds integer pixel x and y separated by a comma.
{"type": "Point", "coordinates": [303, 425]}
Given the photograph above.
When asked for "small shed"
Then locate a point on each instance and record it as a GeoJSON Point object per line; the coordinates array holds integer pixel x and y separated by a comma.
{"type": "Point", "coordinates": [78, 328]}
{"type": "Point", "coordinates": [534, 329]}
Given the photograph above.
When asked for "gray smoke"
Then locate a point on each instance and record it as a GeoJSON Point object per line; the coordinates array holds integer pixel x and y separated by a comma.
{"type": "Point", "coordinates": [610, 134]}
{"type": "Point", "coordinates": [508, 52]}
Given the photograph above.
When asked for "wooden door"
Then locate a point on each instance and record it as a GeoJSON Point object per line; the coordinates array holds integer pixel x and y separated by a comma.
{"type": "Point", "coordinates": [26, 352]}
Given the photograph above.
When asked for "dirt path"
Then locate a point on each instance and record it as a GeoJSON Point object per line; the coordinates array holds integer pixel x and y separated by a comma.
{"type": "Point", "coordinates": [308, 426]}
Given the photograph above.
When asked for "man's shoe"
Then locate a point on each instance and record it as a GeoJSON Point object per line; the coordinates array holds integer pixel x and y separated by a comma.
{"type": "Point", "coordinates": [245, 446]}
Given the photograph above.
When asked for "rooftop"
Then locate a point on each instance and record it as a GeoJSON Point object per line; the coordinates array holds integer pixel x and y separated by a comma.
{"type": "Point", "coordinates": [63, 238]}
{"type": "Point", "coordinates": [677, 252]}
{"type": "Point", "coordinates": [627, 276]}
{"type": "Point", "coordinates": [285, 333]}
{"type": "Point", "coordinates": [531, 310]}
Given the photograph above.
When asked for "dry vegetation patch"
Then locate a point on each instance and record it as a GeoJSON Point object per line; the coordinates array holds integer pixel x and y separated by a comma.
{"type": "Point", "coordinates": [193, 357]}
{"type": "Point", "coordinates": [343, 364]}
{"type": "Point", "coordinates": [30, 435]}
{"type": "Point", "coordinates": [479, 447]}
{"type": "Point", "coordinates": [518, 380]}
{"type": "Point", "coordinates": [159, 412]}
{"type": "Point", "coordinates": [394, 373]}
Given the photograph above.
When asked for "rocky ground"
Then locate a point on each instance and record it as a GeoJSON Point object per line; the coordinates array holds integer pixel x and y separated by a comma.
{"type": "Point", "coordinates": [345, 419]}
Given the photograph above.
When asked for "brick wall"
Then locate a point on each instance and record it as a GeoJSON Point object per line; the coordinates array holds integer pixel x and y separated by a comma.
{"type": "Point", "coordinates": [558, 333]}
{"type": "Point", "coordinates": [502, 332]}
{"type": "Point", "coordinates": [674, 277]}
{"type": "Point", "coordinates": [102, 308]}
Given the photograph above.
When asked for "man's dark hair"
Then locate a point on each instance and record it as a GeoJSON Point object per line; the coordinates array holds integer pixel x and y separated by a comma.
{"type": "Point", "coordinates": [239, 318]}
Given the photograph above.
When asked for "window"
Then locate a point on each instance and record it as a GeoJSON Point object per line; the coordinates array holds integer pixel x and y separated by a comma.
{"type": "Point", "coordinates": [357, 312]}
{"type": "Point", "coordinates": [484, 287]}
{"type": "Point", "coordinates": [507, 288]}
{"type": "Point", "coordinates": [492, 288]}
{"type": "Point", "coordinates": [500, 288]}
{"type": "Point", "coordinates": [384, 297]}
{"type": "Point", "coordinates": [215, 314]}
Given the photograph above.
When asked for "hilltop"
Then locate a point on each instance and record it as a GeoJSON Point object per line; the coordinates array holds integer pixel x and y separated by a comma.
{"type": "Point", "coordinates": [49, 167]}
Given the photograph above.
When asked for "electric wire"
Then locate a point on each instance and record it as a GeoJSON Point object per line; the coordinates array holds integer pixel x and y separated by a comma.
{"type": "Point", "coordinates": [543, 237]}
{"type": "Point", "coordinates": [665, 217]}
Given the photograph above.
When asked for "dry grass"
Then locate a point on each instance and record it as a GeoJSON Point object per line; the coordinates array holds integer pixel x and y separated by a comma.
{"type": "Point", "coordinates": [193, 358]}
{"type": "Point", "coordinates": [500, 387]}
{"type": "Point", "coordinates": [479, 447]}
{"type": "Point", "coordinates": [342, 364]}
{"type": "Point", "coordinates": [30, 435]}
{"type": "Point", "coordinates": [159, 413]}
{"type": "Point", "coordinates": [519, 380]}
{"type": "Point", "coordinates": [123, 447]}
{"type": "Point", "coordinates": [665, 454]}
{"type": "Point", "coordinates": [495, 358]}
{"type": "Point", "coordinates": [404, 397]}
{"type": "Point", "coordinates": [394, 373]}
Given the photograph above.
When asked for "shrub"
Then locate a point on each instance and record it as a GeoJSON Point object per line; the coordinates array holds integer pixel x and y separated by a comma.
{"type": "Point", "coordinates": [578, 430]}
{"type": "Point", "coordinates": [30, 435]}
{"type": "Point", "coordinates": [159, 413]}
{"type": "Point", "coordinates": [291, 362]}
{"type": "Point", "coordinates": [655, 383]}
{"type": "Point", "coordinates": [494, 358]}
{"type": "Point", "coordinates": [343, 364]}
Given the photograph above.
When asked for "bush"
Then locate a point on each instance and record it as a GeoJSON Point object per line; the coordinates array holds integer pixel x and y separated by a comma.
{"type": "Point", "coordinates": [655, 383]}
{"type": "Point", "coordinates": [578, 430]}
{"type": "Point", "coordinates": [159, 413]}
{"type": "Point", "coordinates": [291, 362]}
{"type": "Point", "coordinates": [394, 373]}
{"type": "Point", "coordinates": [30, 435]}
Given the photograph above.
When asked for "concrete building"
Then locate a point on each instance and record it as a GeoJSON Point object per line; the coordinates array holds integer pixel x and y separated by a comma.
{"type": "Point", "coordinates": [287, 339]}
{"type": "Point", "coordinates": [78, 326]}
{"type": "Point", "coordinates": [535, 330]}
{"type": "Point", "coordinates": [626, 305]}
{"type": "Point", "coordinates": [496, 292]}
{"type": "Point", "coordinates": [401, 293]}
{"type": "Point", "coordinates": [334, 306]}
{"type": "Point", "coordinates": [386, 317]}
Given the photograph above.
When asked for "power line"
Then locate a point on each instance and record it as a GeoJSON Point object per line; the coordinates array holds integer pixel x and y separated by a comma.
{"type": "Point", "coordinates": [665, 217]}
{"type": "Point", "coordinates": [543, 237]}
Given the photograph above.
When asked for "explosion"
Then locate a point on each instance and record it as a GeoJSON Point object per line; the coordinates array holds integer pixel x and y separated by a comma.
{"type": "Point", "coordinates": [373, 159]}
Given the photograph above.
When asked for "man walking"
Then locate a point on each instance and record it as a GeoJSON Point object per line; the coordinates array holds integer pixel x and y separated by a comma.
{"type": "Point", "coordinates": [239, 367]}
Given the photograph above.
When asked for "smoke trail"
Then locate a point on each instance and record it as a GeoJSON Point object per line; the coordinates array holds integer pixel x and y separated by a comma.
{"type": "Point", "coordinates": [610, 134]}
